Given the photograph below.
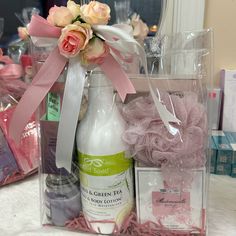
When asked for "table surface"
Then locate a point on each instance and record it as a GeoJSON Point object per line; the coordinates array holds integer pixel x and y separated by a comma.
{"type": "Point", "coordinates": [19, 209]}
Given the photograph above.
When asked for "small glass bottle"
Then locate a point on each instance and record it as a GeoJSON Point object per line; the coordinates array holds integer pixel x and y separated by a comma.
{"type": "Point", "coordinates": [106, 175]}
{"type": "Point", "coordinates": [62, 199]}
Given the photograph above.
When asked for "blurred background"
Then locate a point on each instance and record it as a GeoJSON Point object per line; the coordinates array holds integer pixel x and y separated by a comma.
{"type": "Point", "coordinates": [149, 11]}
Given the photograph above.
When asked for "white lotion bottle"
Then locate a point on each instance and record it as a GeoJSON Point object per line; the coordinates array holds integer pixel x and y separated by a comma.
{"type": "Point", "coordinates": [106, 175]}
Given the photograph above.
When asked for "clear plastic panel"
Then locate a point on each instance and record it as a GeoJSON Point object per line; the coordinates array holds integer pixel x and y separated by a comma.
{"type": "Point", "coordinates": [130, 174]}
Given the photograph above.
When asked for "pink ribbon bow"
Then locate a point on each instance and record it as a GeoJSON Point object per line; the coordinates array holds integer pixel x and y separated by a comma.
{"type": "Point", "coordinates": [49, 73]}
{"type": "Point", "coordinates": [9, 75]}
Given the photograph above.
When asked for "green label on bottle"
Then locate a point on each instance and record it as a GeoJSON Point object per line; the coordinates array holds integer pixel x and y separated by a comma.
{"type": "Point", "coordinates": [104, 165]}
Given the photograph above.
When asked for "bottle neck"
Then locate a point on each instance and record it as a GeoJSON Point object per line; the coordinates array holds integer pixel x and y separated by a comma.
{"type": "Point", "coordinates": [100, 93]}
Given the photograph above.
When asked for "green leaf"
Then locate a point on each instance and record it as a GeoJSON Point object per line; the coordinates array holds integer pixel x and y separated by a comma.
{"type": "Point", "coordinates": [78, 18]}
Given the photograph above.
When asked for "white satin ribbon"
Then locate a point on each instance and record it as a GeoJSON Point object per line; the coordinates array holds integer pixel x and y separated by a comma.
{"type": "Point", "coordinates": [125, 43]}
{"type": "Point", "coordinates": [72, 98]}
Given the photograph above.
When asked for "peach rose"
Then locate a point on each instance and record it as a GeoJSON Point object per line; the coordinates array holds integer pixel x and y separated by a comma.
{"type": "Point", "coordinates": [74, 8]}
{"type": "Point", "coordinates": [95, 13]}
{"type": "Point", "coordinates": [140, 29]}
{"type": "Point", "coordinates": [74, 38]}
{"type": "Point", "coordinates": [95, 52]}
{"type": "Point", "coordinates": [60, 16]}
{"type": "Point", "coordinates": [23, 33]}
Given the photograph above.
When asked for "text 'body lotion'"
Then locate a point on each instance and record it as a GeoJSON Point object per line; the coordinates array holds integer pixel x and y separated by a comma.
{"type": "Point", "coordinates": [106, 175]}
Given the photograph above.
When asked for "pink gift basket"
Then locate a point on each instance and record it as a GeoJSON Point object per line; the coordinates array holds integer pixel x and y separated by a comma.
{"type": "Point", "coordinates": [121, 153]}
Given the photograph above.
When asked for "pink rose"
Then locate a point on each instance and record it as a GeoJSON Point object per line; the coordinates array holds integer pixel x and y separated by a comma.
{"type": "Point", "coordinates": [95, 52]}
{"type": "Point", "coordinates": [60, 16]}
{"type": "Point", "coordinates": [74, 38]}
{"type": "Point", "coordinates": [23, 33]}
{"type": "Point", "coordinates": [95, 13]}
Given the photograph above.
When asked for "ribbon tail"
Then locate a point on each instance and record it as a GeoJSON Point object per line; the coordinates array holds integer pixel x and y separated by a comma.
{"type": "Point", "coordinates": [36, 92]}
{"type": "Point", "coordinates": [165, 115]}
{"type": "Point", "coordinates": [69, 114]}
{"type": "Point", "coordinates": [113, 70]}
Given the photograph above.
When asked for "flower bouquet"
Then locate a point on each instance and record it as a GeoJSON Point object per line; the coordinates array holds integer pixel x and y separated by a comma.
{"type": "Point", "coordinates": [90, 142]}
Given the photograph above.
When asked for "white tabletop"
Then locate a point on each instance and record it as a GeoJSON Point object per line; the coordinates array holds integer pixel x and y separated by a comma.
{"type": "Point", "coordinates": [19, 209]}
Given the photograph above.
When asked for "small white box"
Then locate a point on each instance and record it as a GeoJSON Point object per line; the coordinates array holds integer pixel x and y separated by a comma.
{"type": "Point", "coordinates": [228, 85]}
{"type": "Point", "coordinates": [214, 107]}
{"type": "Point", "coordinates": [175, 210]}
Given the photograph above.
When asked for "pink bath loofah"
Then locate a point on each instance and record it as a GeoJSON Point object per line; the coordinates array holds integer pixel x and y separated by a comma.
{"type": "Point", "coordinates": [153, 145]}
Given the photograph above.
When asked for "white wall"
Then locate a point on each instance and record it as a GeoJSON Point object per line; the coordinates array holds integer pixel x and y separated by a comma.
{"type": "Point", "coordinates": [221, 16]}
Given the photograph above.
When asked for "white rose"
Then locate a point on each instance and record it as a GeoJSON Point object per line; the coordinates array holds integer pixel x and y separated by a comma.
{"type": "Point", "coordinates": [74, 8]}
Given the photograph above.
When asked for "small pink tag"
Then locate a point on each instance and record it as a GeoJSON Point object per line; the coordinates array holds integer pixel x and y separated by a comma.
{"type": "Point", "coordinates": [170, 203]}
